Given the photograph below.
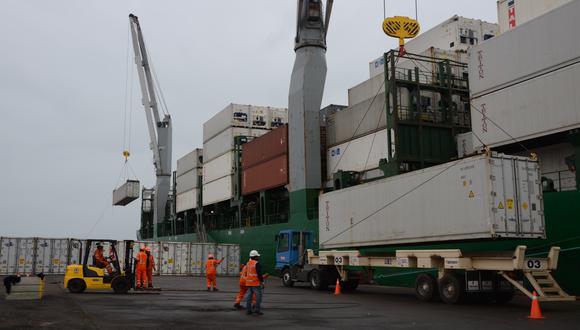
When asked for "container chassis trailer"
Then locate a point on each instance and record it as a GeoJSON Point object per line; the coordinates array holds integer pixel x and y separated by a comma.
{"type": "Point", "coordinates": [492, 276]}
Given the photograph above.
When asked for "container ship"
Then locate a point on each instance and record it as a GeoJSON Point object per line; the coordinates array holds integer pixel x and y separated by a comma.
{"type": "Point", "coordinates": [460, 89]}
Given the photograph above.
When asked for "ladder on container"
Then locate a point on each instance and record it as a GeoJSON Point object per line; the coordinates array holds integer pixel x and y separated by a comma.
{"type": "Point", "coordinates": [200, 230]}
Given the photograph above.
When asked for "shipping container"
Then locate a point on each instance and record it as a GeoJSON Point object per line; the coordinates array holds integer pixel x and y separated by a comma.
{"type": "Point", "coordinates": [512, 13]}
{"type": "Point", "coordinates": [192, 160]}
{"type": "Point", "coordinates": [553, 165]}
{"type": "Point", "coordinates": [266, 175]}
{"type": "Point", "coordinates": [186, 200]}
{"type": "Point", "coordinates": [526, 52]}
{"type": "Point", "coordinates": [218, 167]}
{"type": "Point", "coordinates": [244, 116]}
{"type": "Point", "coordinates": [456, 33]}
{"type": "Point", "coordinates": [51, 255]}
{"type": "Point", "coordinates": [481, 197]}
{"type": "Point", "coordinates": [234, 115]}
{"type": "Point", "coordinates": [175, 258]}
{"type": "Point", "coordinates": [218, 190]}
{"type": "Point", "coordinates": [230, 252]}
{"type": "Point", "coordinates": [534, 108]}
{"type": "Point", "coordinates": [356, 121]}
{"type": "Point", "coordinates": [266, 147]}
{"type": "Point", "coordinates": [224, 141]}
{"type": "Point", "coordinates": [126, 193]}
{"type": "Point", "coordinates": [465, 144]}
{"type": "Point", "coordinates": [16, 255]}
{"type": "Point", "coordinates": [188, 180]}
{"type": "Point", "coordinates": [359, 155]}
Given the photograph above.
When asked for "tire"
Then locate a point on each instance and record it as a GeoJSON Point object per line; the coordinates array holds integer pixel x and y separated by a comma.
{"type": "Point", "coordinates": [503, 297]}
{"type": "Point", "coordinates": [120, 285]}
{"type": "Point", "coordinates": [452, 289]}
{"type": "Point", "coordinates": [287, 278]}
{"type": "Point", "coordinates": [76, 285]}
{"type": "Point", "coordinates": [317, 280]}
{"type": "Point", "coordinates": [426, 288]}
{"type": "Point", "coordinates": [349, 286]}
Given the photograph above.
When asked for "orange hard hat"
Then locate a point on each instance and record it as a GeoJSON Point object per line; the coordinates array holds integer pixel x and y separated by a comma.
{"type": "Point", "coordinates": [210, 256]}
{"type": "Point", "coordinates": [148, 249]}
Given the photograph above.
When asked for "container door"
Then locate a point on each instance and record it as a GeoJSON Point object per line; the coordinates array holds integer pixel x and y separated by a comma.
{"type": "Point", "coordinates": [8, 257]}
{"type": "Point", "coordinates": [195, 251]}
{"type": "Point", "coordinates": [504, 183]}
{"type": "Point", "coordinates": [25, 256]}
{"type": "Point", "coordinates": [529, 206]}
{"type": "Point", "coordinates": [43, 255]}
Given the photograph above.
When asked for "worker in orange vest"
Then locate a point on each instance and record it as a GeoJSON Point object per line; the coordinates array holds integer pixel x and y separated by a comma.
{"type": "Point", "coordinates": [150, 266]}
{"type": "Point", "coordinates": [254, 283]}
{"type": "Point", "coordinates": [244, 289]}
{"type": "Point", "coordinates": [100, 260]}
{"type": "Point", "coordinates": [141, 273]}
{"type": "Point", "coordinates": [211, 272]}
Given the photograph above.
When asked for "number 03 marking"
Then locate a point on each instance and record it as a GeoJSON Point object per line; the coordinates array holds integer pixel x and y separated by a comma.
{"type": "Point", "coordinates": [534, 264]}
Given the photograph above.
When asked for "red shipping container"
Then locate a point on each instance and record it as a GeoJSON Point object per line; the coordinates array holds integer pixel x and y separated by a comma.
{"type": "Point", "coordinates": [265, 147]}
{"type": "Point", "coordinates": [266, 175]}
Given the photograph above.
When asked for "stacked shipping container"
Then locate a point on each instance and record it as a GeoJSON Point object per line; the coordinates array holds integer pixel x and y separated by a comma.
{"type": "Point", "coordinates": [188, 174]}
{"type": "Point", "coordinates": [219, 137]}
{"type": "Point", "coordinates": [265, 161]}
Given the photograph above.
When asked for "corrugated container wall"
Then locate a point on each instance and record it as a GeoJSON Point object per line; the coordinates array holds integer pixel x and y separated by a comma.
{"type": "Point", "coordinates": [218, 190]}
{"type": "Point", "coordinates": [187, 200]}
{"type": "Point", "coordinates": [266, 175]}
{"type": "Point", "coordinates": [512, 13]}
{"type": "Point", "coordinates": [480, 197]}
{"type": "Point", "coordinates": [224, 141]}
{"type": "Point", "coordinates": [541, 45]}
{"type": "Point", "coordinates": [266, 147]}
{"type": "Point", "coordinates": [192, 160]}
{"type": "Point", "coordinates": [16, 255]}
{"type": "Point", "coordinates": [51, 255]}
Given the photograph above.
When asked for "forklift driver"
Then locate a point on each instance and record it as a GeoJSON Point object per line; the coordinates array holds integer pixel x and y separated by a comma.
{"type": "Point", "coordinates": [100, 261]}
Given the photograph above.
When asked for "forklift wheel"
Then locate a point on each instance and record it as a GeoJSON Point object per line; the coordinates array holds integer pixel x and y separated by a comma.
{"type": "Point", "coordinates": [120, 284]}
{"type": "Point", "coordinates": [76, 285]}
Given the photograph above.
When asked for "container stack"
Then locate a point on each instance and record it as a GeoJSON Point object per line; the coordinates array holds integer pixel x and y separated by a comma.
{"type": "Point", "coordinates": [265, 161]}
{"type": "Point", "coordinates": [219, 135]}
{"type": "Point", "coordinates": [188, 180]}
{"type": "Point", "coordinates": [525, 80]}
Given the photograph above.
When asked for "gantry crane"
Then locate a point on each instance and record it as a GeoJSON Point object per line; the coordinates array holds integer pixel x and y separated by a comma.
{"type": "Point", "coordinates": [159, 128]}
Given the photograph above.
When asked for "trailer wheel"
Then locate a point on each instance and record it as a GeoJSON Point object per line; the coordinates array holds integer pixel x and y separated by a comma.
{"type": "Point", "coordinates": [76, 285]}
{"type": "Point", "coordinates": [120, 285]}
{"type": "Point", "coordinates": [287, 278]}
{"type": "Point", "coordinates": [451, 289]}
{"type": "Point", "coordinates": [426, 287]}
{"type": "Point", "coordinates": [317, 280]}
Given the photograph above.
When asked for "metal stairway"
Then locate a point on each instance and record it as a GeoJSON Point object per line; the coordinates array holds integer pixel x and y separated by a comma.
{"type": "Point", "coordinates": [543, 283]}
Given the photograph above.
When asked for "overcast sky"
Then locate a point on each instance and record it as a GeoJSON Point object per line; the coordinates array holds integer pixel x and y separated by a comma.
{"type": "Point", "coordinates": [62, 90]}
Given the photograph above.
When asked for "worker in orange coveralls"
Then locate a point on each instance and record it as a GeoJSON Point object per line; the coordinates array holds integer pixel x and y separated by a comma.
{"type": "Point", "coordinates": [100, 260]}
{"type": "Point", "coordinates": [243, 288]}
{"type": "Point", "coordinates": [211, 272]}
{"type": "Point", "coordinates": [150, 266]}
{"type": "Point", "coordinates": [141, 269]}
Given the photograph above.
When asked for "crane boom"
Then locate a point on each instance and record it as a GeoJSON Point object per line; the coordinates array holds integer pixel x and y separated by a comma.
{"type": "Point", "coordinates": [160, 130]}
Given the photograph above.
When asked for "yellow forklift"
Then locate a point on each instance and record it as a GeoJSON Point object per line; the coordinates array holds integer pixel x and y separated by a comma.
{"type": "Point", "coordinates": [93, 275]}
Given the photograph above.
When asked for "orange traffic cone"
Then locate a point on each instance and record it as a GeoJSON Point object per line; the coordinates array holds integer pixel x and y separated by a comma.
{"type": "Point", "coordinates": [337, 288]}
{"type": "Point", "coordinates": [535, 312]}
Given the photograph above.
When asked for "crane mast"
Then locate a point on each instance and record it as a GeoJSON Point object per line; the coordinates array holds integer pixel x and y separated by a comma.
{"type": "Point", "coordinates": [304, 100]}
{"type": "Point", "coordinates": [159, 128]}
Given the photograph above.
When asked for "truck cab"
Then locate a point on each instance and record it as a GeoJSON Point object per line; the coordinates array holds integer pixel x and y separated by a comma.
{"type": "Point", "coordinates": [292, 262]}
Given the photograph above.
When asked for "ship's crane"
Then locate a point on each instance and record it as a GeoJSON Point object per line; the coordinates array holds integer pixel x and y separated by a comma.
{"type": "Point", "coordinates": [159, 128]}
{"type": "Point", "coordinates": [304, 100]}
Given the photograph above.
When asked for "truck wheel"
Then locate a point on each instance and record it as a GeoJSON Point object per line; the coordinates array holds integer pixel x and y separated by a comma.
{"type": "Point", "coordinates": [120, 284]}
{"type": "Point", "coordinates": [451, 289]}
{"type": "Point", "coordinates": [76, 285]}
{"type": "Point", "coordinates": [317, 280]}
{"type": "Point", "coordinates": [426, 288]}
{"type": "Point", "coordinates": [349, 285]}
{"type": "Point", "coordinates": [287, 278]}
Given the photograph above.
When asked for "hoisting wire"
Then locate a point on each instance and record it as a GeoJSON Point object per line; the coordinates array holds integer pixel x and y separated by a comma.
{"type": "Point", "coordinates": [157, 85]}
{"type": "Point", "coordinates": [416, 11]}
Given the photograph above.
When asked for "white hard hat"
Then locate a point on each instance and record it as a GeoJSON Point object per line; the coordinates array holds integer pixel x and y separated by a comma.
{"type": "Point", "coordinates": [254, 253]}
